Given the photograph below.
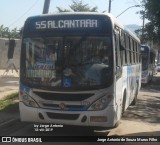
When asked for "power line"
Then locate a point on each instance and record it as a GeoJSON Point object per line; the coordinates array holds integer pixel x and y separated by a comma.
{"type": "Point", "coordinates": [23, 14]}
{"type": "Point", "coordinates": [136, 2]}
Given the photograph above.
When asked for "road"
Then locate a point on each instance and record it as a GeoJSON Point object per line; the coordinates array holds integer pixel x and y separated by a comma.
{"type": "Point", "coordinates": [140, 120]}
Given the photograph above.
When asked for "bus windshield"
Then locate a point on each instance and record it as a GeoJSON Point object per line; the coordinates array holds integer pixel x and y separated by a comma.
{"type": "Point", "coordinates": [67, 62]}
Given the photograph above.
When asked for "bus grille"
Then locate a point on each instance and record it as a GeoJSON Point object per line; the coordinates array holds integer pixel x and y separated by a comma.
{"type": "Point", "coordinates": [63, 116]}
{"type": "Point", "coordinates": [67, 107]}
{"type": "Point", "coordinates": [63, 97]}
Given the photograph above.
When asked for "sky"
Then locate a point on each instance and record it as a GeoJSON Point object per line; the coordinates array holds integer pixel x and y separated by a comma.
{"type": "Point", "coordinates": [13, 13]}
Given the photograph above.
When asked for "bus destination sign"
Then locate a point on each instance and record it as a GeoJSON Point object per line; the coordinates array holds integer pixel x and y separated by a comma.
{"type": "Point", "coordinates": [58, 25]}
{"type": "Point", "coordinates": [66, 24]}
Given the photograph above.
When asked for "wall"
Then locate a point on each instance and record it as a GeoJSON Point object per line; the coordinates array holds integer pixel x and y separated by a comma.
{"type": "Point", "coordinates": [4, 53]}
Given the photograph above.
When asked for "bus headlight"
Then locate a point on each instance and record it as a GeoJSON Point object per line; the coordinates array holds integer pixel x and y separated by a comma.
{"type": "Point", "coordinates": [101, 103]}
{"type": "Point", "coordinates": [28, 101]}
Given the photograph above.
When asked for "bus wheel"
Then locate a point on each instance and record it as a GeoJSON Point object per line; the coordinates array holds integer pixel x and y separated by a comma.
{"type": "Point", "coordinates": [135, 97]}
{"type": "Point", "coordinates": [123, 103]}
{"type": "Point", "coordinates": [117, 124]}
{"type": "Point", "coordinates": [122, 109]}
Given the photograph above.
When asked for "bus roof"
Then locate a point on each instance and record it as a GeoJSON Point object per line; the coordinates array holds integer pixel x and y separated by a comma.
{"type": "Point", "coordinates": [119, 24]}
{"type": "Point", "coordinates": [113, 19]}
{"type": "Point", "coordinates": [149, 48]}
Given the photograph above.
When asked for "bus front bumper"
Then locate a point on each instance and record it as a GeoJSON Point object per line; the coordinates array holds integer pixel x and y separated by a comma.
{"type": "Point", "coordinates": [103, 118]}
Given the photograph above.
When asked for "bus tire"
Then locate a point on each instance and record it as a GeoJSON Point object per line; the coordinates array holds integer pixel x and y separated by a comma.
{"type": "Point", "coordinates": [135, 97]}
{"type": "Point", "coordinates": [123, 103]}
{"type": "Point", "coordinates": [117, 124]}
{"type": "Point", "coordinates": [122, 110]}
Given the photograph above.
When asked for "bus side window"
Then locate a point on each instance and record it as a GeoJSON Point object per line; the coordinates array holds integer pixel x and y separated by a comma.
{"type": "Point", "coordinates": [135, 51]}
{"type": "Point", "coordinates": [133, 56]}
{"type": "Point", "coordinates": [117, 51]}
{"type": "Point", "coordinates": [123, 57]}
{"type": "Point", "coordinates": [127, 50]}
{"type": "Point", "coordinates": [131, 51]}
{"type": "Point", "coordinates": [139, 55]}
{"type": "Point", "coordinates": [123, 48]}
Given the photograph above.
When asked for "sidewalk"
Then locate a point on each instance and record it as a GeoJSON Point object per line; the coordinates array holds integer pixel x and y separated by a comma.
{"type": "Point", "coordinates": [8, 83]}
{"type": "Point", "coordinates": [10, 74]}
{"type": "Point", "coordinates": [135, 128]}
{"type": "Point", "coordinates": [144, 118]}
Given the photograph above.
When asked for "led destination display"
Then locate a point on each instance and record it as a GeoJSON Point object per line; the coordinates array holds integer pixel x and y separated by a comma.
{"type": "Point", "coordinates": [66, 24]}
{"type": "Point", "coordinates": [54, 25]}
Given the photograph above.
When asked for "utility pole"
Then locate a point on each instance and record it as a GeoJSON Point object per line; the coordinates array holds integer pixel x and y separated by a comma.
{"type": "Point", "coordinates": [142, 40]}
{"type": "Point", "coordinates": [109, 8]}
{"type": "Point", "coordinates": [46, 6]}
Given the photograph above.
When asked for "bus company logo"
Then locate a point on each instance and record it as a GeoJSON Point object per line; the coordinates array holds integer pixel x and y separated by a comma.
{"type": "Point", "coordinates": [62, 106]}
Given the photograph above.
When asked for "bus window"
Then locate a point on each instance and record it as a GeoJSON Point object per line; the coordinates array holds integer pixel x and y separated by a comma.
{"type": "Point", "coordinates": [117, 51]}
{"type": "Point", "coordinates": [87, 61]}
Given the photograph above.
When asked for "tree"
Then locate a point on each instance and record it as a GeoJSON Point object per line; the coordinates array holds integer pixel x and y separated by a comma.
{"type": "Point", "coordinates": [78, 6]}
{"type": "Point", "coordinates": [62, 10]}
{"type": "Point", "coordinates": [5, 32]}
{"type": "Point", "coordinates": [14, 33]}
{"type": "Point", "coordinates": [152, 13]}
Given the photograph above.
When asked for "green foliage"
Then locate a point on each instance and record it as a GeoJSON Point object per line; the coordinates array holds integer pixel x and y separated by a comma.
{"type": "Point", "coordinates": [11, 96]}
{"type": "Point", "coordinates": [5, 32]}
{"type": "Point", "coordinates": [9, 102]}
{"type": "Point", "coordinates": [62, 10]}
{"type": "Point", "coordinates": [152, 13]}
{"type": "Point", "coordinates": [78, 6]}
{"type": "Point", "coordinates": [4, 104]}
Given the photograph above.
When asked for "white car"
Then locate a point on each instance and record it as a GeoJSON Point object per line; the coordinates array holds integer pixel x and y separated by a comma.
{"type": "Point", "coordinates": [158, 67]}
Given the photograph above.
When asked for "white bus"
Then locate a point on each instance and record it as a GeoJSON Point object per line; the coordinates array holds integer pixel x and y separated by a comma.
{"type": "Point", "coordinates": [79, 69]}
{"type": "Point", "coordinates": [148, 63]}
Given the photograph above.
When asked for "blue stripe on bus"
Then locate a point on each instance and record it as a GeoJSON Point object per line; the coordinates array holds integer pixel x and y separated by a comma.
{"type": "Point", "coordinates": [24, 88]}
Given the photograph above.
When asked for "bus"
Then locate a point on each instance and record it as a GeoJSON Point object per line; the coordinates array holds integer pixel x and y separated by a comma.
{"type": "Point", "coordinates": [148, 63]}
{"type": "Point", "coordinates": [78, 69]}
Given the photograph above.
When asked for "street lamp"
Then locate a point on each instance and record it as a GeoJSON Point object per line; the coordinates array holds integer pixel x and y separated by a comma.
{"type": "Point", "coordinates": [127, 9]}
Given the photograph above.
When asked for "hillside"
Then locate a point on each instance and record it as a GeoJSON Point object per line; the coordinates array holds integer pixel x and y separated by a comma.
{"type": "Point", "coordinates": [133, 27]}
